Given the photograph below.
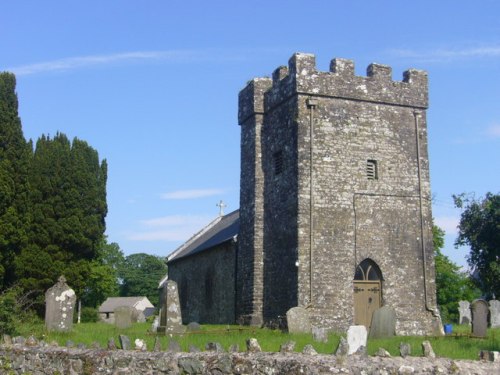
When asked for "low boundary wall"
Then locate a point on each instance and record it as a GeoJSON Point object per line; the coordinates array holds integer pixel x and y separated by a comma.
{"type": "Point", "coordinates": [59, 361]}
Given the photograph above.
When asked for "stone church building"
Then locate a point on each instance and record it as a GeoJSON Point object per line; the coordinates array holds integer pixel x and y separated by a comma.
{"type": "Point", "coordinates": [335, 210]}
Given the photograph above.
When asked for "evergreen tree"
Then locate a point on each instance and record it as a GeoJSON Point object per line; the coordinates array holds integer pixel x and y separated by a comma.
{"type": "Point", "coordinates": [14, 159]}
{"type": "Point", "coordinates": [68, 205]}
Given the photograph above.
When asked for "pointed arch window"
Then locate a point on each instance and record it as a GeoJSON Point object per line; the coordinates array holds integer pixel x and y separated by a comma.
{"type": "Point", "coordinates": [368, 270]}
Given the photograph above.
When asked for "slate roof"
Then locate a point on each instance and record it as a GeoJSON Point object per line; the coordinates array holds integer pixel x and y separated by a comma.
{"type": "Point", "coordinates": [218, 231]}
{"type": "Point", "coordinates": [112, 303]}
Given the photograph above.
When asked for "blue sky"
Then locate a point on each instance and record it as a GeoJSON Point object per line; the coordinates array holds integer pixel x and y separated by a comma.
{"type": "Point", "coordinates": [153, 86]}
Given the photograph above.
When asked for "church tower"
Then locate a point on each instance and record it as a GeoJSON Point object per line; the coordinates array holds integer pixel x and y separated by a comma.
{"type": "Point", "coordinates": [335, 211]}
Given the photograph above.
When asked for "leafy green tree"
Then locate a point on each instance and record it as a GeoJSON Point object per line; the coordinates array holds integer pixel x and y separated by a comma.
{"type": "Point", "coordinates": [479, 228]}
{"type": "Point", "coordinates": [103, 280]}
{"type": "Point", "coordinates": [14, 158]}
{"type": "Point", "coordinates": [452, 285]}
{"type": "Point", "coordinates": [140, 276]}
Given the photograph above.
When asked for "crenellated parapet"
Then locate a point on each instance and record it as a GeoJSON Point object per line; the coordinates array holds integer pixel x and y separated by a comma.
{"type": "Point", "coordinates": [302, 77]}
{"type": "Point", "coordinates": [251, 98]}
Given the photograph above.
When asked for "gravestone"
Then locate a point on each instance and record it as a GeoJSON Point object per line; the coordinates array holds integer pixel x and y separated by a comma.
{"type": "Point", "coordinates": [297, 319]}
{"type": "Point", "coordinates": [383, 323]}
{"type": "Point", "coordinates": [123, 316]}
{"type": "Point", "coordinates": [494, 313]}
{"type": "Point", "coordinates": [356, 338]}
{"type": "Point", "coordinates": [464, 312]}
{"type": "Point", "coordinates": [59, 307]}
{"type": "Point", "coordinates": [320, 334]}
{"type": "Point", "coordinates": [171, 315]}
{"type": "Point", "coordinates": [479, 309]}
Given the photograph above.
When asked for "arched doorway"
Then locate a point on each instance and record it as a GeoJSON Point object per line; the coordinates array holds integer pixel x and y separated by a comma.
{"type": "Point", "coordinates": [367, 292]}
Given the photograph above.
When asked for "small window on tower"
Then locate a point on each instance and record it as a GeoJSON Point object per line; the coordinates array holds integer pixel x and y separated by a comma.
{"type": "Point", "coordinates": [278, 162]}
{"type": "Point", "coordinates": [371, 170]}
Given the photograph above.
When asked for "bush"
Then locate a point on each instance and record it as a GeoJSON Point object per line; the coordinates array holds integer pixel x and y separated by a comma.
{"type": "Point", "coordinates": [89, 315]}
{"type": "Point", "coordinates": [9, 311]}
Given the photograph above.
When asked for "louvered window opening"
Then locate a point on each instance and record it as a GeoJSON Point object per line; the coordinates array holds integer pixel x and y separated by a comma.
{"type": "Point", "coordinates": [278, 162]}
{"type": "Point", "coordinates": [371, 170]}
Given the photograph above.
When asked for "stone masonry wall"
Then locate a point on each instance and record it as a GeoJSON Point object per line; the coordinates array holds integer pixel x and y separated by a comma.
{"type": "Point", "coordinates": [50, 361]}
{"type": "Point", "coordinates": [206, 283]}
{"type": "Point", "coordinates": [387, 219]}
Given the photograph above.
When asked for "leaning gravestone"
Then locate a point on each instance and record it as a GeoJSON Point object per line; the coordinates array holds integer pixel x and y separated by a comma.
{"type": "Point", "coordinates": [464, 312]}
{"type": "Point", "coordinates": [383, 323]}
{"type": "Point", "coordinates": [171, 316]}
{"type": "Point", "coordinates": [356, 338]}
{"type": "Point", "coordinates": [297, 319]}
{"type": "Point", "coordinates": [123, 316]}
{"type": "Point", "coordinates": [479, 310]}
{"type": "Point", "coordinates": [59, 306]}
{"type": "Point", "coordinates": [494, 313]}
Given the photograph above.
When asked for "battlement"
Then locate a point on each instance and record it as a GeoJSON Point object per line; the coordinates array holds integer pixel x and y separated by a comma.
{"type": "Point", "coordinates": [302, 77]}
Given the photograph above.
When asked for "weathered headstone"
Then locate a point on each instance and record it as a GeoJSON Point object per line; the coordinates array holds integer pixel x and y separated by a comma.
{"type": "Point", "coordinates": [123, 316]}
{"type": "Point", "coordinates": [356, 337]}
{"type": "Point", "coordinates": [253, 345]}
{"type": "Point", "coordinates": [427, 349]}
{"type": "Point", "coordinates": [479, 309]}
{"type": "Point", "coordinates": [59, 307]}
{"type": "Point", "coordinates": [464, 312]}
{"type": "Point", "coordinates": [320, 334]}
{"type": "Point", "coordinates": [297, 319]}
{"type": "Point", "coordinates": [309, 350]}
{"type": "Point", "coordinates": [171, 315]}
{"type": "Point", "coordinates": [173, 347]}
{"type": "Point", "coordinates": [494, 313]}
{"type": "Point", "coordinates": [383, 323]}
{"type": "Point", "coordinates": [404, 349]}
{"type": "Point", "coordinates": [124, 342]}
{"type": "Point", "coordinates": [343, 347]}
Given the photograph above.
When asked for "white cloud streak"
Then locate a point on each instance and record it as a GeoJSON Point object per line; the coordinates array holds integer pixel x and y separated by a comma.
{"type": "Point", "coordinates": [493, 131]}
{"type": "Point", "coordinates": [172, 228]}
{"type": "Point", "coordinates": [81, 62]}
{"type": "Point", "coordinates": [191, 194]}
{"type": "Point", "coordinates": [447, 55]}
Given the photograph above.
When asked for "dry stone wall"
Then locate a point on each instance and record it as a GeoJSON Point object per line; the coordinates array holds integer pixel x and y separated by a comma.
{"type": "Point", "coordinates": [50, 361]}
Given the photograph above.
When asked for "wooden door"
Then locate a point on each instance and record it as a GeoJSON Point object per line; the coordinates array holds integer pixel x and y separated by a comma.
{"type": "Point", "coordinates": [366, 301]}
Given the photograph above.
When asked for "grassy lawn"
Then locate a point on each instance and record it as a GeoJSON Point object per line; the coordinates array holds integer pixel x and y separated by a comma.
{"type": "Point", "coordinates": [457, 346]}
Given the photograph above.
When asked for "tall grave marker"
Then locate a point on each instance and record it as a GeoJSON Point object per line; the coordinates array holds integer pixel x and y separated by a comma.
{"type": "Point", "coordinates": [494, 313]}
{"type": "Point", "coordinates": [59, 306]}
{"type": "Point", "coordinates": [171, 316]}
{"type": "Point", "coordinates": [479, 310]}
{"type": "Point", "coordinates": [464, 312]}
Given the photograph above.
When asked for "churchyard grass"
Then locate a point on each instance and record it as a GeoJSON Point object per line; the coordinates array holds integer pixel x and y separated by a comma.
{"type": "Point", "coordinates": [456, 346]}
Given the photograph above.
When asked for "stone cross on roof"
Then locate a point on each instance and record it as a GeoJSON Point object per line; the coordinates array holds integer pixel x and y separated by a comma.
{"type": "Point", "coordinates": [221, 206]}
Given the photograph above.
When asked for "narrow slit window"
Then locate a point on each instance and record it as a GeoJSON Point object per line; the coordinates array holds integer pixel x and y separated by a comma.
{"type": "Point", "coordinates": [371, 170]}
{"type": "Point", "coordinates": [278, 162]}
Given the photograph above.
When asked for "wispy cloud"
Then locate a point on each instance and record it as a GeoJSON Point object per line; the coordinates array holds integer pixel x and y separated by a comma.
{"type": "Point", "coordinates": [172, 228]}
{"type": "Point", "coordinates": [448, 54]}
{"type": "Point", "coordinates": [448, 223]}
{"type": "Point", "coordinates": [191, 194]}
{"type": "Point", "coordinates": [493, 131]}
{"type": "Point", "coordinates": [81, 62]}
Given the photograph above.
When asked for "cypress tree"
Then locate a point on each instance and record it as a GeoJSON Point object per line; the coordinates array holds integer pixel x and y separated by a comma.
{"type": "Point", "coordinates": [14, 159]}
{"type": "Point", "coordinates": [68, 203]}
